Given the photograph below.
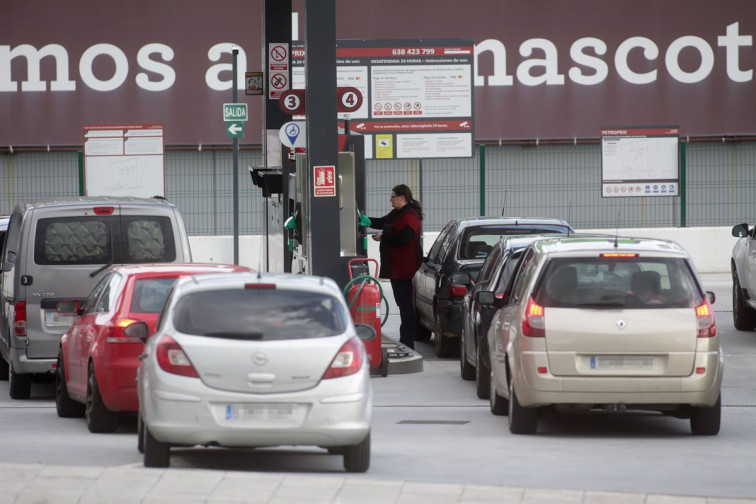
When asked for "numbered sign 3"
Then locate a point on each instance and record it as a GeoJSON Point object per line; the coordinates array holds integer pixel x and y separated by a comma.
{"type": "Point", "coordinates": [293, 102]}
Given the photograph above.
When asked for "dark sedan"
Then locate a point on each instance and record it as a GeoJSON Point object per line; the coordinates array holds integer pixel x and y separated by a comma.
{"type": "Point", "coordinates": [462, 245]}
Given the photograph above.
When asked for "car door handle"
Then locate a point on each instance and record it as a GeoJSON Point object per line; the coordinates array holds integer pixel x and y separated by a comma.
{"type": "Point", "coordinates": [505, 326]}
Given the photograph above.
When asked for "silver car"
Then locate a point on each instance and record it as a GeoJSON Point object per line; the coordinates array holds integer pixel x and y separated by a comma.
{"type": "Point", "coordinates": [610, 324]}
{"type": "Point", "coordinates": [255, 360]}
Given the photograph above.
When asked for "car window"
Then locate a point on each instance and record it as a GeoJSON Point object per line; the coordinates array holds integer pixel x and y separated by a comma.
{"type": "Point", "coordinates": [94, 295]}
{"type": "Point", "coordinates": [148, 239]}
{"type": "Point", "coordinates": [490, 265]}
{"type": "Point", "coordinates": [436, 247]}
{"type": "Point", "coordinates": [12, 235]}
{"type": "Point", "coordinates": [150, 294]}
{"type": "Point", "coordinates": [106, 298]}
{"type": "Point", "coordinates": [260, 314]}
{"type": "Point", "coordinates": [524, 274]}
{"type": "Point", "coordinates": [446, 246]}
{"type": "Point", "coordinates": [506, 275]}
{"type": "Point", "coordinates": [73, 240]}
{"type": "Point", "coordinates": [632, 283]}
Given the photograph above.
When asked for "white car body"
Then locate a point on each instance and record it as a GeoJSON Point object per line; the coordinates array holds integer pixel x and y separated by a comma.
{"type": "Point", "coordinates": [255, 393]}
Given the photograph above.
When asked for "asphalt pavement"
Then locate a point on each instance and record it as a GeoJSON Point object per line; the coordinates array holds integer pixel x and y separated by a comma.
{"type": "Point", "coordinates": [41, 484]}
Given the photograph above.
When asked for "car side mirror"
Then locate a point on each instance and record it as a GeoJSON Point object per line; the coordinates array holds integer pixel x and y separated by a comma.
{"type": "Point", "coordinates": [138, 330]}
{"type": "Point", "coordinates": [365, 332]}
{"type": "Point", "coordinates": [6, 266]}
{"type": "Point", "coordinates": [69, 306]}
{"type": "Point", "coordinates": [711, 296]}
{"type": "Point", "coordinates": [462, 278]}
{"type": "Point", "coordinates": [740, 231]}
{"type": "Point", "coordinates": [485, 297]}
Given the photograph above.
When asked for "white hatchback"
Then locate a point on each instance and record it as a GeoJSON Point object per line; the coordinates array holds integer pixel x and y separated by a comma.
{"type": "Point", "coordinates": [611, 324]}
{"type": "Point", "coordinates": [254, 360]}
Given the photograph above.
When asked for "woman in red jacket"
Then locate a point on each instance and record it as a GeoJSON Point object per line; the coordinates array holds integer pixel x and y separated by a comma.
{"type": "Point", "coordinates": [401, 254]}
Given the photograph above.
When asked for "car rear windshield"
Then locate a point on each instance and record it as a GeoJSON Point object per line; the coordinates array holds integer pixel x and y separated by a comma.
{"type": "Point", "coordinates": [149, 294]}
{"type": "Point", "coordinates": [609, 282]}
{"type": "Point", "coordinates": [478, 242]}
{"type": "Point", "coordinates": [259, 314]}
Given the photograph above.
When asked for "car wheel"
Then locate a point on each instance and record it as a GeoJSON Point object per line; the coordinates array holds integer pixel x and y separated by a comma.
{"type": "Point", "coordinates": [422, 333]}
{"type": "Point", "coordinates": [499, 405]}
{"type": "Point", "coordinates": [482, 378]}
{"type": "Point", "coordinates": [140, 434]}
{"type": "Point", "coordinates": [67, 407]}
{"type": "Point", "coordinates": [20, 384]}
{"type": "Point", "coordinates": [445, 347]}
{"type": "Point", "coordinates": [466, 370]}
{"type": "Point", "coordinates": [743, 316]}
{"type": "Point", "coordinates": [705, 421]}
{"type": "Point", "coordinates": [99, 417]}
{"type": "Point", "coordinates": [156, 454]}
{"type": "Point", "coordinates": [521, 420]}
{"type": "Point", "coordinates": [3, 369]}
{"type": "Point", "coordinates": [357, 457]}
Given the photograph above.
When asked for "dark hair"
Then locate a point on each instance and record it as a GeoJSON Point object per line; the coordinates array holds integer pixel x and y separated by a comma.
{"type": "Point", "coordinates": [404, 190]}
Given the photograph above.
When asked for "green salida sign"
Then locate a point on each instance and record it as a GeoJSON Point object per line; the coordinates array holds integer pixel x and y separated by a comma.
{"type": "Point", "coordinates": [235, 112]}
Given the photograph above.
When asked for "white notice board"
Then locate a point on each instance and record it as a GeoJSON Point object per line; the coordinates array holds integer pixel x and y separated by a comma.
{"type": "Point", "coordinates": [124, 160]}
{"type": "Point", "coordinates": [640, 162]}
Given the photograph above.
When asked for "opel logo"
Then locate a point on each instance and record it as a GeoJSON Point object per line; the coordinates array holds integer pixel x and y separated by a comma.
{"type": "Point", "coordinates": [260, 358]}
{"type": "Point", "coordinates": [621, 324]}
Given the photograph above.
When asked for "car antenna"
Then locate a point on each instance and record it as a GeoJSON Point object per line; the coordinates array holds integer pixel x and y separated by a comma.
{"type": "Point", "coordinates": [504, 205]}
{"type": "Point", "coordinates": [616, 233]}
{"type": "Point", "coordinates": [569, 215]}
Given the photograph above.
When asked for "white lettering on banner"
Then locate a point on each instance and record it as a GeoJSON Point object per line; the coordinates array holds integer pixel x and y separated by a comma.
{"type": "Point", "coordinates": [212, 76]}
{"type": "Point", "coordinates": [166, 71]}
{"type": "Point", "coordinates": [586, 53]}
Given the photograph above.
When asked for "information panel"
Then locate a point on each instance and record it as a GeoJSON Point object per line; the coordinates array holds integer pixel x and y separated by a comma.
{"type": "Point", "coordinates": [640, 161]}
{"type": "Point", "coordinates": [124, 160]}
{"type": "Point", "coordinates": [417, 95]}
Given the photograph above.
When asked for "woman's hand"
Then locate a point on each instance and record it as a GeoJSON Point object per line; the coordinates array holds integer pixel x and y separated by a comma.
{"type": "Point", "coordinates": [377, 236]}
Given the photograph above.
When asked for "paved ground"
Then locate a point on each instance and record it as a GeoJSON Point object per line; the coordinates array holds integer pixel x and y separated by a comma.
{"type": "Point", "coordinates": [41, 484]}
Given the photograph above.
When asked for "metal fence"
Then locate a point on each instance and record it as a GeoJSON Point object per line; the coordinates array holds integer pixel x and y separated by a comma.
{"type": "Point", "coordinates": [559, 181]}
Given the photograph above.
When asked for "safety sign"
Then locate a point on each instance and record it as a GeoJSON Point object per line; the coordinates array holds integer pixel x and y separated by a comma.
{"type": "Point", "coordinates": [278, 69]}
{"type": "Point", "coordinates": [293, 134]}
{"type": "Point", "coordinates": [324, 181]}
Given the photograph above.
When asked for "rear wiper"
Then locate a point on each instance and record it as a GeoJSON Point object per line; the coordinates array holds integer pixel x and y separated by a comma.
{"type": "Point", "coordinates": [103, 267]}
{"type": "Point", "coordinates": [608, 302]}
{"type": "Point", "coordinates": [236, 335]}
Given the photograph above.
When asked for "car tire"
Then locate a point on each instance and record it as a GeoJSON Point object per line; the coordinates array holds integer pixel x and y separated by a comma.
{"type": "Point", "coordinates": [357, 457]}
{"type": "Point", "coordinates": [521, 420]}
{"type": "Point", "coordinates": [20, 384]}
{"type": "Point", "coordinates": [445, 347]}
{"type": "Point", "coordinates": [706, 420]}
{"type": "Point", "coordinates": [466, 370]}
{"type": "Point", "coordinates": [482, 378]}
{"type": "Point", "coordinates": [743, 316]}
{"type": "Point", "coordinates": [140, 434]}
{"type": "Point", "coordinates": [422, 333]}
{"type": "Point", "coordinates": [66, 407]}
{"type": "Point", "coordinates": [499, 405]}
{"type": "Point", "coordinates": [156, 453]}
{"type": "Point", "coordinates": [99, 418]}
{"type": "Point", "coordinates": [4, 369]}
{"type": "Point", "coordinates": [384, 362]}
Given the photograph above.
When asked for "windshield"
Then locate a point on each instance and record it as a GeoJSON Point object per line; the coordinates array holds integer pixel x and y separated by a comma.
{"type": "Point", "coordinates": [256, 314]}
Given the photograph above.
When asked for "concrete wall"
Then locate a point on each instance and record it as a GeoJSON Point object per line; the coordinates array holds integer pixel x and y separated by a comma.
{"type": "Point", "coordinates": [710, 247]}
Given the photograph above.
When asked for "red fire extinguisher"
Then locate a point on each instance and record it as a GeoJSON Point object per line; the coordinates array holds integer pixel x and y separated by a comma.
{"type": "Point", "coordinates": [364, 295]}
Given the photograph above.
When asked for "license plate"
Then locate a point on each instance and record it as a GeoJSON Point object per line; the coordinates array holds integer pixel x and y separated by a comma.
{"type": "Point", "coordinates": [55, 319]}
{"type": "Point", "coordinates": [622, 362]}
{"type": "Point", "coordinates": [263, 412]}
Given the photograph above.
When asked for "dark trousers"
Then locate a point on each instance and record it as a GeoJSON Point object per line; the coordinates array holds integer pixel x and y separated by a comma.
{"type": "Point", "coordinates": [403, 297]}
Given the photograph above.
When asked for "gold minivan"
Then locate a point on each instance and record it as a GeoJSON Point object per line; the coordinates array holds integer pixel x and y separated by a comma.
{"type": "Point", "coordinates": [605, 323]}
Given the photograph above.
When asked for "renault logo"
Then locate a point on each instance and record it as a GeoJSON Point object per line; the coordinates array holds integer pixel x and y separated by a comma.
{"type": "Point", "coordinates": [260, 358]}
{"type": "Point", "coordinates": [621, 324]}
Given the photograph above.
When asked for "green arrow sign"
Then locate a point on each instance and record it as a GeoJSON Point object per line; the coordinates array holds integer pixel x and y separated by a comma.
{"type": "Point", "coordinates": [235, 112]}
{"type": "Point", "coordinates": [234, 129]}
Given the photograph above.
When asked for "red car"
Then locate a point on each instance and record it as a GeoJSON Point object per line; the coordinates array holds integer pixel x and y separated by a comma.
{"type": "Point", "coordinates": [96, 371]}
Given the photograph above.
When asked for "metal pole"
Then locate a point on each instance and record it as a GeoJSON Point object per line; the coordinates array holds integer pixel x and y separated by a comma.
{"type": "Point", "coordinates": [235, 176]}
{"type": "Point", "coordinates": [482, 180]}
{"type": "Point", "coordinates": [683, 185]}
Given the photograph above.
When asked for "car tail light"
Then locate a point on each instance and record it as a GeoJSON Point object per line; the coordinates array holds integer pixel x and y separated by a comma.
{"type": "Point", "coordinates": [348, 360]}
{"type": "Point", "coordinates": [261, 286]}
{"type": "Point", "coordinates": [19, 312]}
{"type": "Point", "coordinates": [533, 324]}
{"type": "Point", "coordinates": [172, 359]}
{"type": "Point", "coordinates": [104, 210]}
{"type": "Point", "coordinates": [707, 326]}
{"type": "Point", "coordinates": [116, 332]}
{"type": "Point", "coordinates": [457, 290]}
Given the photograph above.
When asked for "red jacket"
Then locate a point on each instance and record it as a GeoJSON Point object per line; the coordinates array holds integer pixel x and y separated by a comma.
{"type": "Point", "coordinates": [401, 252]}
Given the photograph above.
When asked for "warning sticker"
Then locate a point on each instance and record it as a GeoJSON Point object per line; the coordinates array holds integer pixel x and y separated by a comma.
{"type": "Point", "coordinates": [324, 181]}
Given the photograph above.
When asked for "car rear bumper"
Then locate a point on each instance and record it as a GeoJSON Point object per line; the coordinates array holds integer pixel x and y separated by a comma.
{"type": "Point", "coordinates": [540, 389]}
{"type": "Point", "coordinates": [24, 365]}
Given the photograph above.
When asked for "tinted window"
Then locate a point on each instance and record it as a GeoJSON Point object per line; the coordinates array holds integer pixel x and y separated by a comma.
{"type": "Point", "coordinates": [610, 282]}
{"type": "Point", "coordinates": [525, 272]}
{"type": "Point", "coordinates": [257, 314]}
{"type": "Point", "coordinates": [150, 294]}
{"type": "Point", "coordinates": [490, 265]}
{"type": "Point", "coordinates": [89, 306]}
{"type": "Point", "coordinates": [148, 239]}
{"type": "Point", "coordinates": [436, 247]}
{"type": "Point", "coordinates": [107, 297]}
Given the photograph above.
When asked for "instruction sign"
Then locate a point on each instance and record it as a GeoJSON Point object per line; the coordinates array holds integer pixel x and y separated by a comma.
{"type": "Point", "coordinates": [324, 181]}
{"type": "Point", "coordinates": [640, 161]}
{"type": "Point", "coordinates": [278, 69]}
{"type": "Point", "coordinates": [124, 160]}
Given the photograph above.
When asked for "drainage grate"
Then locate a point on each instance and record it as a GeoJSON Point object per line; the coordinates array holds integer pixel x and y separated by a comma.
{"type": "Point", "coordinates": [433, 422]}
